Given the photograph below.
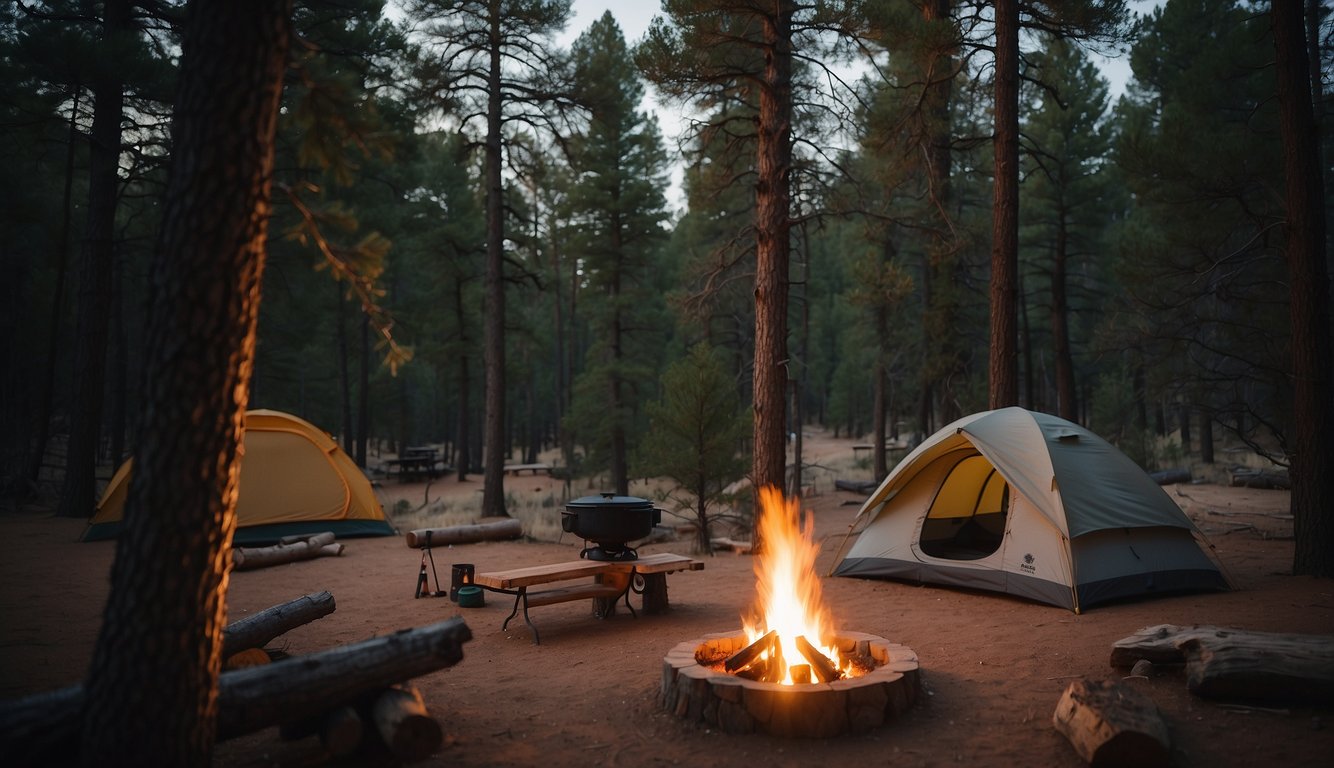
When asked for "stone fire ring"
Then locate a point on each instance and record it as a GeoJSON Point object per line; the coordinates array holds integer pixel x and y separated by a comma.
{"type": "Point", "coordinates": [815, 710]}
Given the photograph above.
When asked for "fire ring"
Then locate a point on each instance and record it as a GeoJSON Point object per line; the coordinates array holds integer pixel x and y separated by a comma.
{"type": "Point", "coordinates": [811, 710]}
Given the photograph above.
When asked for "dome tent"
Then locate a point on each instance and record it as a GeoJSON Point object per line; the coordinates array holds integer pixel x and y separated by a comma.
{"type": "Point", "coordinates": [294, 479]}
{"type": "Point", "coordinates": [1030, 505]}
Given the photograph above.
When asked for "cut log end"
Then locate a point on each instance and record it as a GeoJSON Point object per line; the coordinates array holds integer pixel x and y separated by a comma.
{"type": "Point", "coordinates": [1110, 724]}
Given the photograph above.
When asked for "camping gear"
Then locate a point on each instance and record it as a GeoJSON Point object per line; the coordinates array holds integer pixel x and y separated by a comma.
{"type": "Point", "coordinates": [1031, 505]}
{"type": "Point", "coordinates": [610, 521]}
{"type": "Point", "coordinates": [471, 597]}
{"type": "Point", "coordinates": [460, 575]}
{"type": "Point", "coordinates": [294, 479]}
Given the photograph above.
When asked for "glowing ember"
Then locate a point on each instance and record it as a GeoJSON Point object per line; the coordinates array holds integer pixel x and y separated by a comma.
{"type": "Point", "coordinates": [789, 598]}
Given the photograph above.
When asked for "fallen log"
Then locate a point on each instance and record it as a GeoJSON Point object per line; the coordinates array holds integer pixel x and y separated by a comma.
{"type": "Point", "coordinates": [1234, 663]}
{"type": "Point", "coordinates": [408, 730]}
{"type": "Point", "coordinates": [319, 545]}
{"type": "Point", "coordinates": [43, 729]}
{"type": "Point", "coordinates": [493, 530]}
{"type": "Point", "coordinates": [1171, 476]}
{"type": "Point", "coordinates": [1242, 477]}
{"type": "Point", "coordinates": [1111, 724]}
{"type": "Point", "coordinates": [257, 630]}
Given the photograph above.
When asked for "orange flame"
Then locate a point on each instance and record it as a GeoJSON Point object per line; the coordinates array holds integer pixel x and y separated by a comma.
{"type": "Point", "coordinates": [789, 598]}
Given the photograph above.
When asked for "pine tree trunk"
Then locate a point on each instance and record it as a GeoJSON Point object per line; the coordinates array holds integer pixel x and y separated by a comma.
{"type": "Point", "coordinates": [1003, 363]}
{"type": "Point", "coordinates": [165, 615]}
{"type": "Point", "coordinates": [94, 291]}
{"type": "Point", "coordinates": [772, 221]}
{"type": "Point", "coordinates": [493, 332]}
{"type": "Point", "coordinates": [1066, 407]}
{"type": "Point", "coordinates": [1312, 448]}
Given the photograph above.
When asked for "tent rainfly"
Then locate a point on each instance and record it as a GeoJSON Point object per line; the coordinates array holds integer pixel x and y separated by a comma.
{"type": "Point", "coordinates": [1030, 505]}
{"type": "Point", "coordinates": [294, 480]}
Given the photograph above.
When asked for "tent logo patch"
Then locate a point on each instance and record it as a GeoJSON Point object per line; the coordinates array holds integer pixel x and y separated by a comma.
{"type": "Point", "coordinates": [1027, 565]}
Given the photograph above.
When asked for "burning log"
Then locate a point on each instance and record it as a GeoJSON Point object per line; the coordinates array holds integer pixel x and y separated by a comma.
{"type": "Point", "coordinates": [748, 655]}
{"type": "Point", "coordinates": [801, 673]}
{"type": "Point", "coordinates": [825, 670]}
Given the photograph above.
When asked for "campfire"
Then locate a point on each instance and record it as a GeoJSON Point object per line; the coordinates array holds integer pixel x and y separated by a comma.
{"type": "Point", "coordinates": [790, 630]}
{"type": "Point", "coordinates": [788, 671]}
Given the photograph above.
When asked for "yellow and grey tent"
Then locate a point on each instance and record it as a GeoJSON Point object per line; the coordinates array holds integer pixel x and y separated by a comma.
{"type": "Point", "coordinates": [1031, 505]}
{"type": "Point", "coordinates": [294, 479]}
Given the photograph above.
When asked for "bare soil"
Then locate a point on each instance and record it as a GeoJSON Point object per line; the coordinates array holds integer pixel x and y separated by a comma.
{"type": "Point", "coordinates": [993, 667]}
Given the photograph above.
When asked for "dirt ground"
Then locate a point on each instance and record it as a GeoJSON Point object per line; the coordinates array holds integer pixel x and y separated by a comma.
{"type": "Point", "coordinates": [993, 667]}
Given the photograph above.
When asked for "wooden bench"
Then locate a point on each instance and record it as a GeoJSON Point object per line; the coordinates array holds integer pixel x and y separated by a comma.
{"type": "Point", "coordinates": [611, 581]}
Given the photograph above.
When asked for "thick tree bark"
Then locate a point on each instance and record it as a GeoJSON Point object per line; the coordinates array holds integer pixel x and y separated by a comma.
{"type": "Point", "coordinates": [94, 288]}
{"type": "Point", "coordinates": [1003, 365]}
{"type": "Point", "coordinates": [166, 612]}
{"type": "Point", "coordinates": [493, 331]}
{"type": "Point", "coordinates": [772, 222]}
{"type": "Point", "coordinates": [1311, 452]}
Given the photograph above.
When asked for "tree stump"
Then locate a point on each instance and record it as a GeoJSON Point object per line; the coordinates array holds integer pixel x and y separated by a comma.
{"type": "Point", "coordinates": [1111, 724]}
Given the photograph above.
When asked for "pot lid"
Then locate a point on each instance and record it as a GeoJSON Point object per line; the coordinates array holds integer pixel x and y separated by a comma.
{"type": "Point", "coordinates": [609, 501]}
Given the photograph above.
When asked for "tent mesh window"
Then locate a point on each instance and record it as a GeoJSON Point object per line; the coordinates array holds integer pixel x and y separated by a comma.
{"type": "Point", "coordinates": [967, 516]}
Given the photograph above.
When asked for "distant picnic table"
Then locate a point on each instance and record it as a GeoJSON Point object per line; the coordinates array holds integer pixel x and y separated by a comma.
{"type": "Point", "coordinates": [416, 463]}
{"type": "Point", "coordinates": [518, 469]}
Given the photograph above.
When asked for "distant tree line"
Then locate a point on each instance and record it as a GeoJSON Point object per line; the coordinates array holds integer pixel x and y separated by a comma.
{"type": "Point", "coordinates": [895, 213]}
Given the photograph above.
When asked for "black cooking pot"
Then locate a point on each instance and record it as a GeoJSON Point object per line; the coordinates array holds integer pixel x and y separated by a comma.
{"type": "Point", "coordinates": [610, 521]}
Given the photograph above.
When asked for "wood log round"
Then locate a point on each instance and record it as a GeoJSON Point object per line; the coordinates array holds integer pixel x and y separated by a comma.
{"type": "Point", "coordinates": [1111, 724]}
{"type": "Point", "coordinates": [408, 730]}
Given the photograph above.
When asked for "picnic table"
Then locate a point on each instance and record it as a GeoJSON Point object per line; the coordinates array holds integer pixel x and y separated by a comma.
{"type": "Point", "coordinates": [611, 581]}
{"type": "Point", "coordinates": [416, 463]}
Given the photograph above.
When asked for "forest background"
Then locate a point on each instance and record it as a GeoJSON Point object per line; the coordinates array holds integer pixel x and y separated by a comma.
{"type": "Point", "coordinates": [1151, 296]}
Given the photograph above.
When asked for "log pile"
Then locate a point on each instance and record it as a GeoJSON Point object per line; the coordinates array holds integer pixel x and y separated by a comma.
{"type": "Point", "coordinates": [335, 693]}
{"type": "Point", "coordinates": [289, 549]}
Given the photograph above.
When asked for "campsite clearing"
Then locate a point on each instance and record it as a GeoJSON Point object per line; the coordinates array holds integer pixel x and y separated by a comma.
{"type": "Point", "coordinates": [993, 667]}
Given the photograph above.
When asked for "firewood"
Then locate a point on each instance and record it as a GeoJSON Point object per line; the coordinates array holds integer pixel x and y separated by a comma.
{"type": "Point", "coordinates": [1111, 724]}
{"type": "Point", "coordinates": [747, 656]}
{"type": "Point", "coordinates": [825, 670]}
{"type": "Point", "coordinates": [407, 728]}
{"type": "Point", "coordinates": [42, 729]}
{"type": "Point", "coordinates": [257, 630]}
